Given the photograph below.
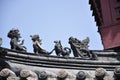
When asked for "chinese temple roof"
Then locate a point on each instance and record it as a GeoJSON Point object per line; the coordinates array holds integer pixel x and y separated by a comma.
{"type": "Point", "coordinates": [96, 8]}
{"type": "Point", "coordinates": [24, 62]}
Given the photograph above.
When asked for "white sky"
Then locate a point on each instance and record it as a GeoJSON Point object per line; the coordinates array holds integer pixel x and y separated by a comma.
{"type": "Point", "coordinates": [51, 19]}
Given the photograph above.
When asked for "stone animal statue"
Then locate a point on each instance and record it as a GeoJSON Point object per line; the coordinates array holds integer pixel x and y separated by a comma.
{"type": "Point", "coordinates": [60, 51]}
{"type": "Point", "coordinates": [80, 48]}
{"type": "Point", "coordinates": [14, 35]}
{"type": "Point", "coordinates": [37, 45]}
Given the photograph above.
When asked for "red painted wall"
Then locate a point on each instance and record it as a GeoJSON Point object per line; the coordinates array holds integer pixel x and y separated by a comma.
{"type": "Point", "coordinates": [111, 36]}
{"type": "Point", "coordinates": [110, 29]}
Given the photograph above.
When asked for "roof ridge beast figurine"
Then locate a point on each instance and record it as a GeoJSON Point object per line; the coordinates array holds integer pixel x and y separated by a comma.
{"type": "Point", "coordinates": [80, 48]}
{"type": "Point", "coordinates": [37, 45]}
{"type": "Point", "coordinates": [14, 35]}
{"type": "Point", "coordinates": [60, 51]}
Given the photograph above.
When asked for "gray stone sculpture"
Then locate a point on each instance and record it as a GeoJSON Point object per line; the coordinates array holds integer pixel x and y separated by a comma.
{"type": "Point", "coordinates": [37, 42]}
{"type": "Point", "coordinates": [80, 48]}
{"type": "Point", "coordinates": [14, 35]}
{"type": "Point", "coordinates": [60, 51]}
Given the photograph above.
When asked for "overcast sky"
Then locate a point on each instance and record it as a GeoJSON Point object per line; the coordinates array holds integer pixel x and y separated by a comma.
{"type": "Point", "coordinates": [51, 19]}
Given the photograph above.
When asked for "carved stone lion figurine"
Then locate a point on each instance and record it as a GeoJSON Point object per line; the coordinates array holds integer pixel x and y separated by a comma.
{"type": "Point", "coordinates": [65, 52]}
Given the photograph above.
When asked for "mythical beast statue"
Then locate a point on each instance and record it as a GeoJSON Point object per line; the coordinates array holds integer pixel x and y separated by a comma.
{"type": "Point", "coordinates": [80, 48]}
{"type": "Point", "coordinates": [14, 35]}
{"type": "Point", "coordinates": [37, 45]}
{"type": "Point", "coordinates": [65, 52]}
